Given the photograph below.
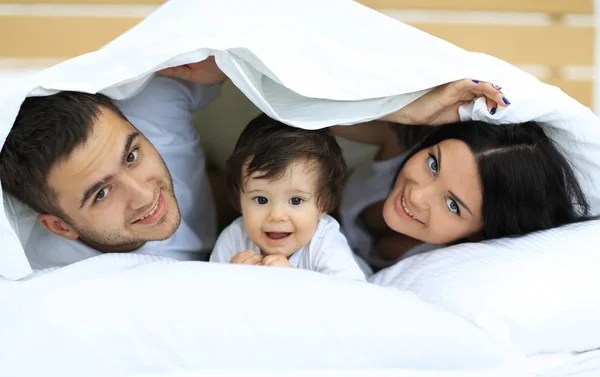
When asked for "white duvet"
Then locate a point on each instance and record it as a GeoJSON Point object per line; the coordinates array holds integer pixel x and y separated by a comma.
{"type": "Point", "coordinates": [311, 64]}
{"type": "Point", "coordinates": [119, 315]}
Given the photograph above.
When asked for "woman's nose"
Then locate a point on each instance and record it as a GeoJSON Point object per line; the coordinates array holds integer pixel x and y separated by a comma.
{"type": "Point", "coordinates": [420, 196]}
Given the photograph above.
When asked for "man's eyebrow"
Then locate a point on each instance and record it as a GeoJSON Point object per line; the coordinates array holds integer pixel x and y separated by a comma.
{"type": "Point", "coordinates": [93, 188]}
{"type": "Point", "coordinates": [130, 139]}
{"type": "Point", "coordinates": [98, 185]}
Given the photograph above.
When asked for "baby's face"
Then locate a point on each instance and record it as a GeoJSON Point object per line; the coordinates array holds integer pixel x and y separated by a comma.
{"type": "Point", "coordinates": [281, 216]}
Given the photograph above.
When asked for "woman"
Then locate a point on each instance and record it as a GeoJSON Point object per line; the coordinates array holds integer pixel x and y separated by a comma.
{"type": "Point", "coordinates": [463, 181]}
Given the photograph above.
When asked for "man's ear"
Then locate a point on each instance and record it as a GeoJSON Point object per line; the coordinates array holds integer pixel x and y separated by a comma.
{"type": "Point", "coordinates": [57, 226]}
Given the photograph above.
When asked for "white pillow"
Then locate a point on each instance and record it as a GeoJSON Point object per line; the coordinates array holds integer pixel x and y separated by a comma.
{"type": "Point", "coordinates": [540, 292]}
{"type": "Point", "coordinates": [122, 314]}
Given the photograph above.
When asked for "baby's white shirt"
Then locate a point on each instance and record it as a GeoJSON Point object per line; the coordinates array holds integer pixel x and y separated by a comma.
{"type": "Point", "coordinates": [327, 252]}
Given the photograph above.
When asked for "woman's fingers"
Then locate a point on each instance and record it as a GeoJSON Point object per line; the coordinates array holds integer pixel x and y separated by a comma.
{"type": "Point", "coordinates": [492, 93]}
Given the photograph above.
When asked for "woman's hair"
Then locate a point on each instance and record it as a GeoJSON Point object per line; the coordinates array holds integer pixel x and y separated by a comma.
{"type": "Point", "coordinates": [268, 147]}
{"type": "Point", "coordinates": [527, 183]}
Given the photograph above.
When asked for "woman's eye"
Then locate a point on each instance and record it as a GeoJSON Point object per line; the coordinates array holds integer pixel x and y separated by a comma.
{"type": "Point", "coordinates": [132, 156]}
{"type": "Point", "coordinates": [432, 163]}
{"type": "Point", "coordinates": [296, 201]}
{"type": "Point", "coordinates": [101, 195]}
{"type": "Point", "coordinates": [452, 206]}
{"type": "Point", "coordinates": [261, 200]}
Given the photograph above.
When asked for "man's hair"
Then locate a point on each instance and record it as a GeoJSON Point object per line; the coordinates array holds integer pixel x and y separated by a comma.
{"type": "Point", "coordinates": [268, 147]}
{"type": "Point", "coordinates": [46, 131]}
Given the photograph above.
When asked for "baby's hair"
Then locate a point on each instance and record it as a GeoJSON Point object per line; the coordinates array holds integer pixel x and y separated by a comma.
{"type": "Point", "coordinates": [268, 147]}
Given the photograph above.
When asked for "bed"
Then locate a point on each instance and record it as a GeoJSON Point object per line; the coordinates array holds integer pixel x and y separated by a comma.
{"type": "Point", "coordinates": [517, 307]}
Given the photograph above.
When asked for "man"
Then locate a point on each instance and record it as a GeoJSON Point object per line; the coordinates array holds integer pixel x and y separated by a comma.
{"type": "Point", "coordinates": [111, 177]}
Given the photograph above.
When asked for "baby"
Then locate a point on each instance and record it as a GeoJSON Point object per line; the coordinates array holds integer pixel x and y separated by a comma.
{"type": "Point", "coordinates": [285, 180]}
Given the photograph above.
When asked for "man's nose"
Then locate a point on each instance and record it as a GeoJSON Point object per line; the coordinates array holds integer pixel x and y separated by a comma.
{"type": "Point", "coordinates": [140, 192]}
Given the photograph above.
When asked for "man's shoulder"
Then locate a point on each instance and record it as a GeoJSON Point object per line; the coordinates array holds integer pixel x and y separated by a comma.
{"type": "Point", "coordinates": [45, 249]}
{"type": "Point", "coordinates": [165, 97]}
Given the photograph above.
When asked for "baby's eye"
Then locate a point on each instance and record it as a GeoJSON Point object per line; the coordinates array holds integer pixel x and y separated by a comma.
{"type": "Point", "coordinates": [261, 200]}
{"type": "Point", "coordinates": [296, 201]}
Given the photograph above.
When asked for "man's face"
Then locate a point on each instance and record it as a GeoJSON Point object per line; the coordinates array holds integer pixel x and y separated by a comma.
{"type": "Point", "coordinates": [115, 188]}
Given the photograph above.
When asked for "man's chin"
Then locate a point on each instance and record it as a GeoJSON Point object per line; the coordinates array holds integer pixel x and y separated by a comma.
{"type": "Point", "coordinates": [103, 247]}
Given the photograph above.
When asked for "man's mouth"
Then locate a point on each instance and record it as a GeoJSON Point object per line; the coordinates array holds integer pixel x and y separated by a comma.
{"type": "Point", "coordinates": [154, 214]}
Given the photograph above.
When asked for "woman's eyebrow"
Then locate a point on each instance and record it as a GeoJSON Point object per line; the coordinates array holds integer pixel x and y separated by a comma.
{"type": "Point", "coordinates": [460, 201]}
{"type": "Point", "coordinates": [439, 158]}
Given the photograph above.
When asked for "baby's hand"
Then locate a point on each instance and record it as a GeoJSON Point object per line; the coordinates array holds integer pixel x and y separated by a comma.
{"type": "Point", "coordinates": [276, 260]}
{"type": "Point", "coordinates": [247, 257]}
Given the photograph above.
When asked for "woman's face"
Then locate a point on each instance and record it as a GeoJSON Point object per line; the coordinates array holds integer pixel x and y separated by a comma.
{"type": "Point", "coordinates": [437, 195]}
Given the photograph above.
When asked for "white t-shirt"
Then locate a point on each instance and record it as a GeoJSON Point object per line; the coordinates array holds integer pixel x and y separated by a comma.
{"type": "Point", "coordinates": [162, 111]}
{"type": "Point", "coordinates": [370, 182]}
{"type": "Point", "coordinates": [327, 252]}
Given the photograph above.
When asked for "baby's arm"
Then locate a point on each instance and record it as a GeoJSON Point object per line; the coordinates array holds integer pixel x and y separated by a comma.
{"type": "Point", "coordinates": [333, 256]}
{"type": "Point", "coordinates": [230, 246]}
{"type": "Point", "coordinates": [226, 246]}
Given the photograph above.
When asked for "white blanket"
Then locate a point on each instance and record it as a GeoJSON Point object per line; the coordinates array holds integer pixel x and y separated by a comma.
{"type": "Point", "coordinates": [129, 314]}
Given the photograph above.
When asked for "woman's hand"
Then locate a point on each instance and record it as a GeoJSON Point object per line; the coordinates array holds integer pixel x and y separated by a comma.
{"type": "Point", "coordinates": [204, 72]}
{"type": "Point", "coordinates": [440, 106]}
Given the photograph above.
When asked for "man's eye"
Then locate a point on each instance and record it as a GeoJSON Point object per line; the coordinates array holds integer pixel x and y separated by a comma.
{"type": "Point", "coordinates": [132, 156]}
{"type": "Point", "coordinates": [296, 201]}
{"type": "Point", "coordinates": [102, 194]}
{"type": "Point", "coordinates": [261, 200]}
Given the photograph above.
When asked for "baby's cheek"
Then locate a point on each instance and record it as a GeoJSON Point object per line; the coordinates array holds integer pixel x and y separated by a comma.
{"type": "Point", "coordinates": [306, 233]}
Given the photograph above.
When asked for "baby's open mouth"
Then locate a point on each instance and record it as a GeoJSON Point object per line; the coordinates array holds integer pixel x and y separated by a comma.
{"type": "Point", "coordinates": [277, 235]}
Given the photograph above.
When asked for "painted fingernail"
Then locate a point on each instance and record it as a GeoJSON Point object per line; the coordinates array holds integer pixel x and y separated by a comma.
{"type": "Point", "coordinates": [506, 101]}
{"type": "Point", "coordinates": [493, 111]}
{"type": "Point", "coordinates": [476, 81]}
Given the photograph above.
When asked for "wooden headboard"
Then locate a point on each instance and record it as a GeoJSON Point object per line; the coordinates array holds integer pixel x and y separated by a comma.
{"type": "Point", "coordinates": [553, 39]}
